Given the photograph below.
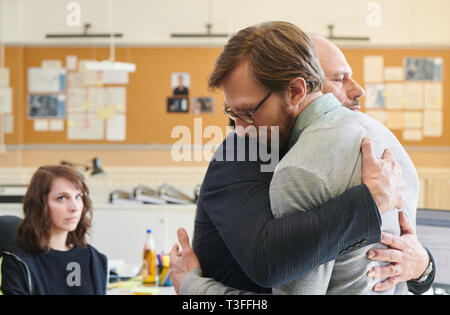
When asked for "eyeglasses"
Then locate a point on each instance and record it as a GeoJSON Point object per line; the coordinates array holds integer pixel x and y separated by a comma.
{"type": "Point", "coordinates": [246, 117]}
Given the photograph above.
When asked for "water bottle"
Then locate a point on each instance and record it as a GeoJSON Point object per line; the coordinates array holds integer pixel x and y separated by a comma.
{"type": "Point", "coordinates": [148, 271]}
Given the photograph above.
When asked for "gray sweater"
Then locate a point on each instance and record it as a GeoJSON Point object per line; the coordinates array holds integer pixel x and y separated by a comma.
{"type": "Point", "coordinates": [324, 160]}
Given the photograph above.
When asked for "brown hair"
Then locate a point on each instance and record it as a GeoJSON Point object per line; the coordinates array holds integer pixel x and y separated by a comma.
{"type": "Point", "coordinates": [35, 229]}
{"type": "Point", "coordinates": [277, 52]}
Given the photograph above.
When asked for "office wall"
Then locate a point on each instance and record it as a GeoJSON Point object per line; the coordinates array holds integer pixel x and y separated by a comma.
{"type": "Point", "coordinates": [148, 121]}
{"type": "Point", "coordinates": [148, 23]}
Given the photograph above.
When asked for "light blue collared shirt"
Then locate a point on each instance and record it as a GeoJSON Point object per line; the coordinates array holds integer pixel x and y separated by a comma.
{"type": "Point", "coordinates": [316, 109]}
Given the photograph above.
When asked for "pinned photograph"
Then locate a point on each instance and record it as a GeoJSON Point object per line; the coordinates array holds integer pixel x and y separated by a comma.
{"type": "Point", "coordinates": [177, 105]}
{"type": "Point", "coordinates": [423, 69]}
{"type": "Point", "coordinates": [181, 82]}
{"type": "Point", "coordinates": [202, 105]}
{"type": "Point", "coordinates": [375, 96]}
{"type": "Point", "coordinates": [47, 106]}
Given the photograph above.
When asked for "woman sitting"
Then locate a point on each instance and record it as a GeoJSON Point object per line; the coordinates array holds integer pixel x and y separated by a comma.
{"type": "Point", "coordinates": [51, 255]}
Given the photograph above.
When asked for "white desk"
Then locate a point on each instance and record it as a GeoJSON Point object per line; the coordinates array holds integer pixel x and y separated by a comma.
{"type": "Point", "coordinates": [119, 231]}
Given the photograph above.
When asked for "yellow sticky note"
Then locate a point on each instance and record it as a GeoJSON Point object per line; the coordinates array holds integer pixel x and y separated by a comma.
{"type": "Point", "coordinates": [106, 112]}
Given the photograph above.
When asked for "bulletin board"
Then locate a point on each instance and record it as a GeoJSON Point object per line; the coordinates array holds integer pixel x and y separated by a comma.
{"type": "Point", "coordinates": [405, 114]}
{"type": "Point", "coordinates": [147, 118]}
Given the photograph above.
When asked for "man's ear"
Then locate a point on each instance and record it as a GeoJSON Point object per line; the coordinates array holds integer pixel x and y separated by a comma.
{"type": "Point", "coordinates": [297, 93]}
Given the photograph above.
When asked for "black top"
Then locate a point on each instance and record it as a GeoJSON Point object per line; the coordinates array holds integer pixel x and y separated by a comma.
{"type": "Point", "coordinates": [79, 271]}
{"type": "Point", "coordinates": [67, 271]}
{"type": "Point", "coordinates": [178, 91]}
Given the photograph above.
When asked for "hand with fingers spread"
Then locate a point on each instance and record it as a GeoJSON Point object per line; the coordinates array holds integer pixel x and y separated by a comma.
{"type": "Point", "coordinates": [383, 177]}
{"type": "Point", "coordinates": [407, 257]}
{"type": "Point", "coordinates": [181, 262]}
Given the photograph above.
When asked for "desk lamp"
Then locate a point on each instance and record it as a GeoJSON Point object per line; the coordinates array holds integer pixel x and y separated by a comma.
{"type": "Point", "coordinates": [95, 168]}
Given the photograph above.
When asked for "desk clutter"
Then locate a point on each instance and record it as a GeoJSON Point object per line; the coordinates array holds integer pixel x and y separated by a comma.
{"type": "Point", "coordinates": [164, 194]}
{"type": "Point", "coordinates": [154, 271]}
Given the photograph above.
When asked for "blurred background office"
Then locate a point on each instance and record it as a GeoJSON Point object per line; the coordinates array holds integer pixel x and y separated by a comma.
{"type": "Point", "coordinates": [118, 90]}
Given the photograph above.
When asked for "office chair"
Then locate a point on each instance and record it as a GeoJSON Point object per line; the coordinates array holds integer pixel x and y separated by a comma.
{"type": "Point", "coordinates": [8, 229]}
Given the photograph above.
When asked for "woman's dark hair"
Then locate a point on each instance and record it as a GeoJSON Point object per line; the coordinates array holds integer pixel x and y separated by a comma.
{"type": "Point", "coordinates": [35, 229]}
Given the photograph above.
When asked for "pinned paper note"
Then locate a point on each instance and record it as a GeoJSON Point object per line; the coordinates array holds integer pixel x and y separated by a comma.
{"type": "Point", "coordinates": [117, 97]}
{"type": "Point", "coordinates": [394, 96]}
{"type": "Point", "coordinates": [96, 98]}
{"type": "Point", "coordinates": [413, 96]}
{"type": "Point", "coordinates": [433, 95]}
{"type": "Point", "coordinates": [393, 74]}
{"type": "Point", "coordinates": [373, 69]}
{"type": "Point", "coordinates": [6, 100]}
{"type": "Point", "coordinates": [89, 78]}
{"type": "Point", "coordinates": [85, 127]}
{"type": "Point", "coordinates": [433, 123]}
{"type": "Point", "coordinates": [40, 125]}
{"type": "Point", "coordinates": [395, 120]}
{"type": "Point", "coordinates": [71, 62]}
{"type": "Point", "coordinates": [56, 125]}
{"type": "Point", "coordinates": [8, 123]}
{"type": "Point", "coordinates": [75, 79]}
{"type": "Point", "coordinates": [76, 98]}
{"type": "Point", "coordinates": [374, 96]}
{"type": "Point", "coordinates": [412, 135]}
{"type": "Point", "coordinates": [413, 120]}
{"type": "Point", "coordinates": [46, 80]}
{"type": "Point", "coordinates": [4, 77]}
{"type": "Point", "coordinates": [116, 128]}
{"type": "Point", "coordinates": [106, 112]}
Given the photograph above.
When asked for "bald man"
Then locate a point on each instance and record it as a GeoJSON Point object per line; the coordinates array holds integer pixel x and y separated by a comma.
{"type": "Point", "coordinates": [338, 74]}
{"type": "Point", "coordinates": [408, 260]}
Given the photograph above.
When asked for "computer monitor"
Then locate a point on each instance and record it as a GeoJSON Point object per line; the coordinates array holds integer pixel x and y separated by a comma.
{"type": "Point", "coordinates": [433, 231]}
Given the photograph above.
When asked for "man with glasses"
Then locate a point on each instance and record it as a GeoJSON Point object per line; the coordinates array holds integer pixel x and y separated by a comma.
{"type": "Point", "coordinates": [251, 224]}
{"type": "Point", "coordinates": [246, 117]}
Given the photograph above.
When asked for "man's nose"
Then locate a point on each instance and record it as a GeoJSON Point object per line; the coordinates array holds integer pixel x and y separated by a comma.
{"type": "Point", "coordinates": [355, 91]}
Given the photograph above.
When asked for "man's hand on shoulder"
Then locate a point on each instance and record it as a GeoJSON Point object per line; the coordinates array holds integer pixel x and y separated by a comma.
{"type": "Point", "coordinates": [181, 262]}
{"type": "Point", "coordinates": [383, 177]}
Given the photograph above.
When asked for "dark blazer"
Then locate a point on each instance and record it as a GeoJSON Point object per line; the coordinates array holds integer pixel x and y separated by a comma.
{"type": "Point", "coordinates": [240, 244]}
